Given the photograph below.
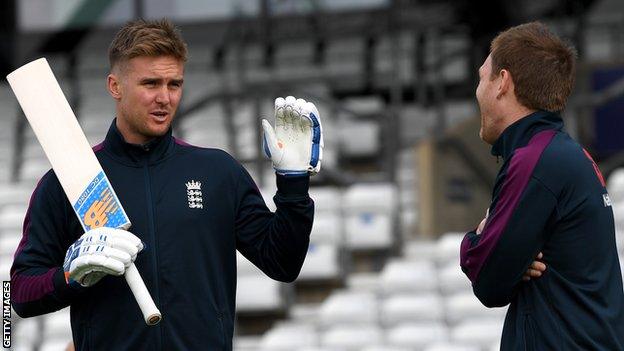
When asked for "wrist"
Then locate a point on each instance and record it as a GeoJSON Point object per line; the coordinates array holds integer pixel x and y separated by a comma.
{"type": "Point", "coordinates": [289, 185]}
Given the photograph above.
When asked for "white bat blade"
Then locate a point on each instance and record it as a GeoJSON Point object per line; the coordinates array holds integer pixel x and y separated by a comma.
{"type": "Point", "coordinates": [78, 170]}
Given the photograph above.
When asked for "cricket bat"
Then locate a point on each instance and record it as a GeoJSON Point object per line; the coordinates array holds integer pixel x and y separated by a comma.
{"type": "Point", "coordinates": [74, 162]}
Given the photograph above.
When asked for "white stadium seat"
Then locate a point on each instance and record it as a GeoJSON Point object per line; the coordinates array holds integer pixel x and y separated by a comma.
{"type": "Point", "coordinates": [327, 228]}
{"type": "Point", "coordinates": [8, 243]}
{"type": "Point", "coordinates": [255, 291]}
{"type": "Point", "coordinates": [352, 337]}
{"type": "Point", "coordinates": [258, 293]}
{"type": "Point", "coordinates": [465, 305]}
{"type": "Point", "coordinates": [448, 248]}
{"type": "Point", "coordinates": [615, 185]}
{"type": "Point", "coordinates": [446, 346]}
{"type": "Point", "coordinates": [57, 325]}
{"type": "Point", "coordinates": [15, 194]}
{"type": "Point", "coordinates": [59, 344]}
{"type": "Point", "coordinates": [289, 336]}
{"type": "Point", "coordinates": [355, 307]}
{"type": "Point", "coordinates": [416, 335]}
{"type": "Point", "coordinates": [408, 276]}
{"type": "Point", "coordinates": [412, 308]}
{"type": "Point", "coordinates": [322, 262]}
{"type": "Point", "coordinates": [326, 200]}
{"type": "Point", "coordinates": [368, 230]}
{"type": "Point", "coordinates": [481, 332]}
{"type": "Point", "coordinates": [420, 250]}
{"type": "Point", "coordinates": [369, 210]}
{"type": "Point", "coordinates": [385, 348]}
{"type": "Point", "coordinates": [453, 280]}
{"type": "Point", "coordinates": [364, 281]}
{"type": "Point", "coordinates": [12, 218]}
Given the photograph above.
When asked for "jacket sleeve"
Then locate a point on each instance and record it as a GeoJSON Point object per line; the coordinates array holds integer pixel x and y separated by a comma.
{"type": "Point", "coordinates": [276, 243]}
{"type": "Point", "coordinates": [514, 233]}
{"type": "Point", "coordinates": [38, 283]}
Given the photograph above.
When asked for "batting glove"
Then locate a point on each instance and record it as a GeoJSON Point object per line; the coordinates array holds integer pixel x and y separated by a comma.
{"type": "Point", "coordinates": [99, 252]}
{"type": "Point", "coordinates": [296, 144]}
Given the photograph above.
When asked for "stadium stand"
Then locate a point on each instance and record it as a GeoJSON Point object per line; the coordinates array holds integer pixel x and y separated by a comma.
{"type": "Point", "coordinates": [413, 296]}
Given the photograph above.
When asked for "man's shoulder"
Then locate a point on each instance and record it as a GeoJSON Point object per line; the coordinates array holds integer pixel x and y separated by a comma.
{"type": "Point", "coordinates": [205, 153]}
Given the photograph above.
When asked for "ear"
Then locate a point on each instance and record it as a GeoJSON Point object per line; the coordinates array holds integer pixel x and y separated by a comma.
{"type": "Point", "coordinates": [113, 84]}
{"type": "Point", "coordinates": [506, 83]}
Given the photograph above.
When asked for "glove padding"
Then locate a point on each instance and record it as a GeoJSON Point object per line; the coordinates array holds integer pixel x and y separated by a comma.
{"type": "Point", "coordinates": [296, 144]}
{"type": "Point", "coordinates": [99, 252]}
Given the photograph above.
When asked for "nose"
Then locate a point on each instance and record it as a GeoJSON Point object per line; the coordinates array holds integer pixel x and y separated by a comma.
{"type": "Point", "coordinates": [162, 96]}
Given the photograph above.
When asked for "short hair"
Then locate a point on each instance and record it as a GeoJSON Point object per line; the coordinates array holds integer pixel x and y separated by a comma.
{"type": "Point", "coordinates": [146, 38]}
{"type": "Point", "coordinates": [542, 66]}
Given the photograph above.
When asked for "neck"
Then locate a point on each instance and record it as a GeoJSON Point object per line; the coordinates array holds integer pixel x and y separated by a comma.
{"type": "Point", "coordinates": [513, 115]}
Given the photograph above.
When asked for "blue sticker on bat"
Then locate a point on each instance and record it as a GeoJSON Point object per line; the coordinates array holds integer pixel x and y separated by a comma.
{"type": "Point", "coordinates": [98, 206]}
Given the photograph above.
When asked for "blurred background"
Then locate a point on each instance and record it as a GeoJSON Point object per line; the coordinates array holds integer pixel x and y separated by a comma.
{"type": "Point", "coordinates": [405, 173]}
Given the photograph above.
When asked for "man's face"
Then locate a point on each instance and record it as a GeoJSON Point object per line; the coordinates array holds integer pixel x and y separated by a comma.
{"type": "Point", "coordinates": [487, 96]}
{"type": "Point", "coordinates": [148, 91]}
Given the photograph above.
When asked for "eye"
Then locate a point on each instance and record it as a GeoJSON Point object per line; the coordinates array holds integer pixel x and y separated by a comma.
{"type": "Point", "coordinates": [176, 84]}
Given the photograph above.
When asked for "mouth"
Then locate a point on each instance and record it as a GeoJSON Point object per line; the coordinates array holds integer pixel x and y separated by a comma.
{"type": "Point", "coordinates": [160, 116]}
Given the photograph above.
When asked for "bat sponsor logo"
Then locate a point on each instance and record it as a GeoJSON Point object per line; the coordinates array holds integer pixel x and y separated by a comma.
{"type": "Point", "coordinates": [98, 205]}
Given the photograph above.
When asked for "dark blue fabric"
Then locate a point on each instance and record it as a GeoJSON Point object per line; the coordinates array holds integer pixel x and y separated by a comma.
{"type": "Point", "coordinates": [189, 265]}
{"type": "Point", "coordinates": [578, 303]}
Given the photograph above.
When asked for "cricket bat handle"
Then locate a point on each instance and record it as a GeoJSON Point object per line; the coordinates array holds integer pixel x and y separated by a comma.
{"type": "Point", "coordinates": [151, 314]}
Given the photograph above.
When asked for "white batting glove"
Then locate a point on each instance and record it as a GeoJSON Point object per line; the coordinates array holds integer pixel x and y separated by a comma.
{"type": "Point", "coordinates": [296, 144]}
{"type": "Point", "coordinates": [99, 252]}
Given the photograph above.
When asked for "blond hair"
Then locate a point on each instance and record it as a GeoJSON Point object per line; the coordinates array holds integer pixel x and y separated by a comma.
{"type": "Point", "coordinates": [146, 38]}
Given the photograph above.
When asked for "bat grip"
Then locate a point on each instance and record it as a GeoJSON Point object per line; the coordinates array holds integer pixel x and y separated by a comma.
{"type": "Point", "coordinates": [151, 314]}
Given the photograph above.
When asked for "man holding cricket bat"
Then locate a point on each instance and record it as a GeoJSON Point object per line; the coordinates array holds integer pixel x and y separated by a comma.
{"type": "Point", "coordinates": [191, 208]}
{"type": "Point", "coordinates": [549, 201]}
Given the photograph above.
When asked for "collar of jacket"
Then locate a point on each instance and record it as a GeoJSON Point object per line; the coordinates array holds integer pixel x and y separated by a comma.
{"type": "Point", "coordinates": [150, 152]}
{"type": "Point", "coordinates": [520, 132]}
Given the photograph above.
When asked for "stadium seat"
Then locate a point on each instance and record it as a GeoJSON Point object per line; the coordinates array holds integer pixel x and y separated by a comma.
{"type": "Point", "coordinates": [369, 211]}
{"type": "Point", "coordinates": [368, 230]}
{"type": "Point", "coordinates": [255, 291]}
{"type": "Point", "coordinates": [15, 194]}
{"type": "Point", "coordinates": [352, 337]}
{"type": "Point", "coordinates": [33, 170]}
{"type": "Point", "coordinates": [289, 336]}
{"type": "Point", "coordinates": [408, 276]}
{"type": "Point", "coordinates": [246, 343]}
{"type": "Point", "coordinates": [463, 306]}
{"type": "Point", "coordinates": [447, 346]}
{"type": "Point", "coordinates": [364, 281]}
{"type": "Point", "coordinates": [326, 199]}
{"type": "Point", "coordinates": [416, 335]}
{"type": "Point", "coordinates": [344, 307]}
{"type": "Point", "coordinates": [322, 262]}
{"type": "Point", "coordinates": [453, 280]}
{"type": "Point", "coordinates": [615, 185]}
{"type": "Point", "coordinates": [385, 348]}
{"type": "Point", "coordinates": [448, 248]}
{"type": "Point", "coordinates": [411, 308]}
{"type": "Point", "coordinates": [258, 293]}
{"type": "Point", "coordinates": [5, 267]}
{"type": "Point", "coordinates": [481, 332]}
{"type": "Point", "coordinates": [327, 228]}
{"type": "Point", "coordinates": [362, 137]}
{"type": "Point", "coordinates": [304, 312]}
{"type": "Point", "coordinates": [12, 218]}
{"type": "Point", "coordinates": [56, 344]}
{"type": "Point", "coordinates": [8, 243]}
{"type": "Point", "coordinates": [420, 250]}
{"type": "Point", "coordinates": [57, 325]}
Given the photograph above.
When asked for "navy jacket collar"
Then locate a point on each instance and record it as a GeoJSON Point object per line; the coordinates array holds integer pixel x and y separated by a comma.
{"type": "Point", "coordinates": [519, 133]}
{"type": "Point", "coordinates": [150, 152]}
